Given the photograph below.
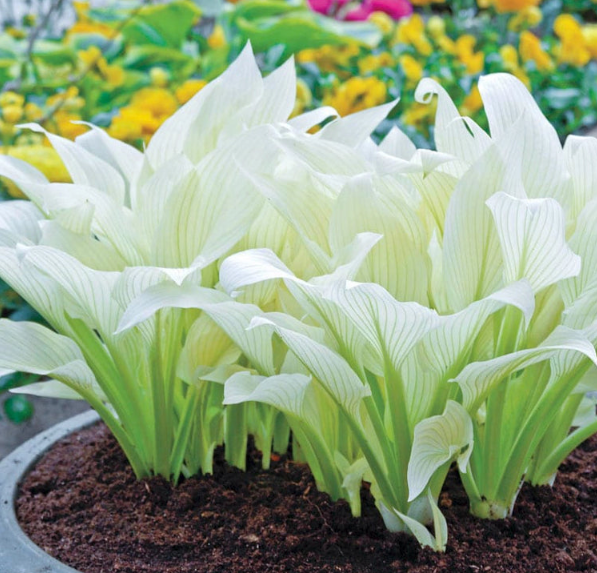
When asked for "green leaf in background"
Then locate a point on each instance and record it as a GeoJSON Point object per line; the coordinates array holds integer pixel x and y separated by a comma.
{"type": "Point", "coordinates": [146, 56]}
{"type": "Point", "coordinates": [53, 53]}
{"type": "Point", "coordinates": [164, 25]}
{"type": "Point", "coordinates": [267, 23]}
{"type": "Point", "coordinates": [18, 409]}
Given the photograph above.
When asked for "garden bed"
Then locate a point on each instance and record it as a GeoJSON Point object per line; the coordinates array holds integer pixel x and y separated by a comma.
{"type": "Point", "coordinates": [96, 517]}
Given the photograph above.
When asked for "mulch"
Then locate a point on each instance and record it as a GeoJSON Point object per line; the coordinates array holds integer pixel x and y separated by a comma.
{"type": "Point", "coordinates": [83, 505]}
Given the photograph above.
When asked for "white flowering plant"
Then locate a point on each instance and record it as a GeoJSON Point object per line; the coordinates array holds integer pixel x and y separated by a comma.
{"type": "Point", "coordinates": [398, 309]}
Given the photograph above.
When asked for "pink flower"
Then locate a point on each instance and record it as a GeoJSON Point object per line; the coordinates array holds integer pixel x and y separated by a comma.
{"type": "Point", "coordinates": [396, 9]}
{"type": "Point", "coordinates": [327, 7]}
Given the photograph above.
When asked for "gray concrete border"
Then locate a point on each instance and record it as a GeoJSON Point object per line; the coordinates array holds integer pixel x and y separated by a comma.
{"type": "Point", "coordinates": [18, 554]}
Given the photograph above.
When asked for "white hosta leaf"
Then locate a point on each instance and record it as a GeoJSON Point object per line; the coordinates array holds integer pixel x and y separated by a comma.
{"type": "Point", "coordinates": [582, 312]}
{"type": "Point", "coordinates": [30, 347]}
{"type": "Point", "coordinates": [278, 98]}
{"type": "Point", "coordinates": [154, 193]}
{"type": "Point", "coordinates": [397, 144]}
{"type": "Point", "coordinates": [579, 155]}
{"type": "Point", "coordinates": [421, 533]}
{"type": "Point", "coordinates": [472, 261]}
{"type": "Point", "coordinates": [309, 119]}
{"type": "Point", "coordinates": [41, 292]}
{"type": "Point", "coordinates": [585, 414]}
{"type": "Point", "coordinates": [325, 157]}
{"type": "Point", "coordinates": [584, 243]}
{"type": "Point", "coordinates": [166, 295]}
{"type": "Point", "coordinates": [438, 440]}
{"type": "Point", "coordinates": [48, 389]}
{"type": "Point", "coordinates": [196, 127]}
{"type": "Point", "coordinates": [88, 250]}
{"type": "Point", "coordinates": [399, 261]}
{"type": "Point", "coordinates": [111, 223]}
{"type": "Point", "coordinates": [330, 369]}
{"type": "Point", "coordinates": [22, 219]}
{"type": "Point", "coordinates": [305, 201]}
{"type": "Point", "coordinates": [90, 290]}
{"type": "Point", "coordinates": [286, 392]}
{"type": "Point", "coordinates": [251, 267]}
{"type": "Point", "coordinates": [348, 260]}
{"type": "Point", "coordinates": [124, 158]}
{"type": "Point", "coordinates": [84, 167]}
{"type": "Point", "coordinates": [232, 317]}
{"type": "Point", "coordinates": [355, 128]}
{"type": "Point", "coordinates": [206, 346]}
{"type": "Point", "coordinates": [435, 189]}
{"type": "Point", "coordinates": [478, 379]}
{"type": "Point", "coordinates": [445, 346]}
{"type": "Point", "coordinates": [352, 479]}
{"type": "Point", "coordinates": [211, 211]}
{"type": "Point", "coordinates": [507, 101]}
{"type": "Point", "coordinates": [391, 327]}
{"type": "Point", "coordinates": [19, 171]}
{"type": "Point", "coordinates": [533, 241]}
{"type": "Point", "coordinates": [455, 135]}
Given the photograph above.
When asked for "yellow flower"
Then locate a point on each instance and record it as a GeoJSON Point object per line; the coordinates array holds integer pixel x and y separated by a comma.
{"type": "Point", "coordinates": [514, 5]}
{"type": "Point", "coordinates": [90, 56]}
{"type": "Point", "coordinates": [474, 61]}
{"type": "Point", "coordinates": [114, 75]}
{"type": "Point", "coordinates": [68, 100]}
{"type": "Point", "coordinates": [511, 64]}
{"type": "Point", "coordinates": [418, 114]}
{"type": "Point", "coordinates": [526, 18]}
{"type": "Point", "coordinates": [472, 102]}
{"type": "Point", "coordinates": [63, 120]}
{"type": "Point", "coordinates": [572, 49]}
{"type": "Point", "coordinates": [149, 108]}
{"type": "Point", "coordinates": [217, 38]}
{"type": "Point", "coordinates": [589, 34]}
{"type": "Point", "coordinates": [411, 31]}
{"type": "Point", "coordinates": [81, 9]}
{"type": "Point", "coordinates": [158, 101]}
{"type": "Point", "coordinates": [11, 98]}
{"type": "Point", "coordinates": [356, 94]}
{"type": "Point", "coordinates": [383, 22]}
{"type": "Point", "coordinates": [159, 77]}
{"type": "Point", "coordinates": [373, 62]}
{"type": "Point", "coordinates": [531, 50]}
{"type": "Point", "coordinates": [91, 28]}
{"type": "Point", "coordinates": [436, 26]}
{"type": "Point", "coordinates": [126, 128]}
{"type": "Point", "coordinates": [187, 90]}
{"type": "Point", "coordinates": [44, 158]}
{"type": "Point", "coordinates": [412, 69]}
{"type": "Point", "coordinates": [7, 129]}
{"type": "Point", "coordinates": [33, 112]}
{"type": "Point", "coordinates": [93, 59]}
{"type": "Point", "coordinates": [330, 58]}
{"type": "Point", "coordinates": [304, 97]}
{"type": "Point", "coordinates": [15, 32]}
{"type": "Point", "coordinates": [12, 113]}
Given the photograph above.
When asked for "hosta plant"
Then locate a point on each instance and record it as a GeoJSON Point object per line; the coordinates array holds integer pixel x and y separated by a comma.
{"type": "Point", "coordinates": [402, 308]}
{"type": "Point", "coordinates": [80, 253]}
{"type": "Point", "coordinates": [477, 342]}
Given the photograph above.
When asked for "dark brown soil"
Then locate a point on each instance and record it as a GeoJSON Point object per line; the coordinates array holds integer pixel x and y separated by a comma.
{"type": "Point", "coordinates": [83, 505]}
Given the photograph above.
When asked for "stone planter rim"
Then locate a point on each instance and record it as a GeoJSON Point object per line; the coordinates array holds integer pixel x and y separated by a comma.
{"type": "Point", "coordinates": [18, 554]}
